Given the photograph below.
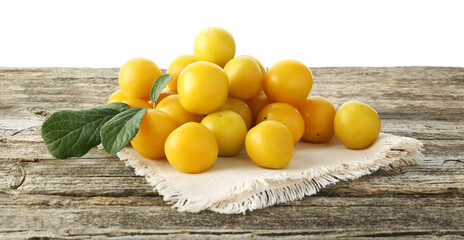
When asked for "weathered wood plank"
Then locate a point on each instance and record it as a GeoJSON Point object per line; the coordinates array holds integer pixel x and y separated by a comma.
{"type": "Point", "coordinates": [235, 234]}
{"type": "Point", "coordinates": [133, 212]}
{"type": "Point", "coordinates": [426, 130]}
{"type": "Point", "coordinates": [98, 196]}
{"type": "Point", "coordinates": [388, 90]}
{"type": "Point", "coordinates": [407, 182]}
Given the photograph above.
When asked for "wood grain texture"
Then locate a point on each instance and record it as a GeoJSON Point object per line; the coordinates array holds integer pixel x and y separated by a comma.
{"type": "Point", "coordinates": [97, 196]}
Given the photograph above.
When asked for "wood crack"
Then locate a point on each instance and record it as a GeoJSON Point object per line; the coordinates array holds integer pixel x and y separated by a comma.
{"type": "Point", "coordinates": [456, 161]}
{"type": "Point", "coordinates": [440, 233]}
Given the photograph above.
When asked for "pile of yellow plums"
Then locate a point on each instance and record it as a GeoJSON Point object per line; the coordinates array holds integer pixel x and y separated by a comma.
{"type": "Point", "coordinates": [216, 104]}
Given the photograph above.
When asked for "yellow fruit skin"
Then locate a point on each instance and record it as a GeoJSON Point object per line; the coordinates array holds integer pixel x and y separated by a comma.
{"type": "Point", "coordinates": [244, 77]}
{"type": "Point", "coordinates": [191, 148]}
{"type": "Point", "coordinates": [175, 68]}
{"type": "Point", "coordinates": [318, 115]}
{"type": "Point", "coordinates": [152, 134]}
{"type": "Point", "coordinates": [263, 70]}
{"type": "Point", "coordinates": [357, 125]}
{"type": "Point", "coordinates": [137, 76]}
{"type": "Point", "coordinates": [229, 129]}
{"type": "Point", "coordinates": [270, 145]}
{"type": "Point", "coordinates": [137, 103]}
{"type": "Point", "coordinates": [117, 96]}
{"type": "Point", "coordinates": [202, 88]}
{"type": "Point", "coordinates": [171, 105]}
{"type": "Point", "coordinates": [163, 94]}
{"type": "Point", "coordinates": [288, 81]}
{"type": "Point", "coordinates": [239, 107]}
{"type": "Point", "coordinates": [214, 45]}
{"type": "Point", "coordinates": [285, 114]}
{"type": "Point", "coordinates": [256, 104]}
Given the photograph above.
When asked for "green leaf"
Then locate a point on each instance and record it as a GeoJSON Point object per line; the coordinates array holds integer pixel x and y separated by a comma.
{"type": "Point", "coordinates": [158, 86]}
{"type": "Point", "coordinates": [74, 133]}
{"type": "Point", "coordinates": [116, 105]}
{"type": "Point", "coordinates": [122, 128]}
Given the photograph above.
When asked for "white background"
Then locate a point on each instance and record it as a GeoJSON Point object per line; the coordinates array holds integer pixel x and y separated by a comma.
{"type": "Point", "coordinates": [318, 33]}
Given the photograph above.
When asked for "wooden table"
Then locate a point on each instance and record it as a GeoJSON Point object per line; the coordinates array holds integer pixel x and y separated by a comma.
{"type": "Point", "coordinates": [98, 196]}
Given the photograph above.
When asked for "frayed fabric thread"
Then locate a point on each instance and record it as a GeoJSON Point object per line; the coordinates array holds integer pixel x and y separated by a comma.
{"type": "Point", "coordinates": [395, 153]}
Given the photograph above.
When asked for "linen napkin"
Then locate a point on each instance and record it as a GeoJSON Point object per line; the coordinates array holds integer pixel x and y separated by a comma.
{"type": "Point", "coordinates": [236, 184]}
